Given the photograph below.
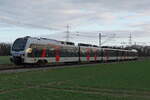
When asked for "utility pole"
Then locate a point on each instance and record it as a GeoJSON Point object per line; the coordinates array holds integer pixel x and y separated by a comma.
{"type": "Point", "coordinates": [130, 39]}
{"type": "Point", "coordinates": [68, 34]}
{"type": "Point", "coordinates": [100, 39]}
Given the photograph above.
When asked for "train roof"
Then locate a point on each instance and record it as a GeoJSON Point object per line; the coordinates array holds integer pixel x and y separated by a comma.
{"type": "Point", "coordinates": [87, 45]}
{"type": "Point", "coordinates": [133, 50]}
{"type": "Point", "coordinates": [45, 40]}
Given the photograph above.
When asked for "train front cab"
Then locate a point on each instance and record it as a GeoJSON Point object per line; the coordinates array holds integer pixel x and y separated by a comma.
{"type": "Point", "coordinates": [18, 51]}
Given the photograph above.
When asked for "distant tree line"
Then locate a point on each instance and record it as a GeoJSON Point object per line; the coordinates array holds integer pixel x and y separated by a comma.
{"type": "Point", "coordinates": [5, 49]}
{"type": "Point", "coordinates": [143, 51]}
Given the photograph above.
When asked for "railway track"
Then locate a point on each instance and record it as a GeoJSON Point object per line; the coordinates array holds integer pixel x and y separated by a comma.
{"type": "Point", "coordinates": [14, 68]}
{"type": "Point", "coordinates": [31, 68]}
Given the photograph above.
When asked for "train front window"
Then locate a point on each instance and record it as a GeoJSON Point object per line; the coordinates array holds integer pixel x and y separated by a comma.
{"type": "Point", "coordinates": [19, 44]}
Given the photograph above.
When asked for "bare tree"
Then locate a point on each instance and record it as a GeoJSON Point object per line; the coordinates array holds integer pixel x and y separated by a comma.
{"type": "Point", "coordinates": [4, 49]}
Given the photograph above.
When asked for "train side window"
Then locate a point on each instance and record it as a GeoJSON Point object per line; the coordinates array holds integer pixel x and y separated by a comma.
{"type": "Point", "coordinates": [99, 53]}
{"type": "Point", "coordinates": [71, 54]}
{"type": "Point", "coordinates": [92, 53]}
{"type": "Point", "coordinates": [75, 52]}
{"type": "Point", "coordinates": [111, 54]}
{"type": "Point", "coordinates": [83, 52]}
{"type": "Point", "coordinates": [120, 53]}
{"type": "Point", "coordinates": [35, 50]}
{"type": "Point", "coordinates": [68, 52]}
{"type": "Point", "coordinates": [50, 51]}
{"type": "Point", "coordinates": [63, 52]}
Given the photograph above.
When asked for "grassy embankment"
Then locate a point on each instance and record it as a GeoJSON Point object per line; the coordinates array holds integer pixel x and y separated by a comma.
{"type": "Point", "coordinates": [4, 60]}
{"type": "Point", "coordinates": [122, 81]}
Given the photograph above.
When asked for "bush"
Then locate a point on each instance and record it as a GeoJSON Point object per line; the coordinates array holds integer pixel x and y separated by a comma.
{"type": "Point", "coordinates": [4, 49]}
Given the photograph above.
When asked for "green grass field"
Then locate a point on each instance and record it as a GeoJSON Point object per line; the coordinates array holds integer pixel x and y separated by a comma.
{"type": "Point", "coordinates": [122, 81]}
{"type": "Point", "coordinates": [4, 60]}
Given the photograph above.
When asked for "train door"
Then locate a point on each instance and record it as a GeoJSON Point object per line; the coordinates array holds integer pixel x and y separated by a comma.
{"type": "Point", "coordinates": [95, 54]}
{"type": "Point", "coordinates": [88, 54]}
{"type": "Point", "coordinates": [126, 55]}
{"type": "Point", "coordinates": [79, 53]}
{"type": "Point", "coordinates": [57, 54]}
{"type": "Point", "coordinates": [106, 55]}
{"type": "Point", "coordinates": [98, 54]}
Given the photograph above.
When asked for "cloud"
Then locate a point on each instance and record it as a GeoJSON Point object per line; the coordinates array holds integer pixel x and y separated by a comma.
{"type": "Point", "coordinates": [87, 15]}
{"type": "Point", "coordinates": [57, 13]}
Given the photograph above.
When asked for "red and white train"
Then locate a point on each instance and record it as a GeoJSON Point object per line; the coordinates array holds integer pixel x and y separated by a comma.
{"type": "Point", "coordinates": [30, 50]}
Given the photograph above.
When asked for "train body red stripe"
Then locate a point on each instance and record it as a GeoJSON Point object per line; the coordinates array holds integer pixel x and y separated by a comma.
{"type": "Point", "coordinates": [88, 54]}
{"type": "Point", "coordinates": [57, 54]}
{"type": "Point", "coordinates": [57, 58]}
{"type": "Point", "coordinates": [43, 53]}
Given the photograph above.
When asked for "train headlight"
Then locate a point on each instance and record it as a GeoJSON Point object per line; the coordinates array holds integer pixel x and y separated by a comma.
{"type": "Point", "coordinates": [29, 50]}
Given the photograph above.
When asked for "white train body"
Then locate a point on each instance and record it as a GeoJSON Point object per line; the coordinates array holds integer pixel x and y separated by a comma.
{"type": "Point", "coordinates": [29, 50]}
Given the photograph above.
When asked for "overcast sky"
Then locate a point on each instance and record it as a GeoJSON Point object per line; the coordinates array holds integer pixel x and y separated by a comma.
{"type": "Point", "coordinates": [89, 17]}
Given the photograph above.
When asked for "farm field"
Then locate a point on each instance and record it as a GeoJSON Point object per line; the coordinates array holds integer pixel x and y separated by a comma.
{"type": "Point", "coordinates": [120, 81]}
{"type": "Point", "coordinates": [4, 60]}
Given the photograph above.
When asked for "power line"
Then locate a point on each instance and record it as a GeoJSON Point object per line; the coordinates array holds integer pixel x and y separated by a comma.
{"type": "Point", "coordinates": [109, 39]}
{"type": "Point", "coordinates": [82, 34]}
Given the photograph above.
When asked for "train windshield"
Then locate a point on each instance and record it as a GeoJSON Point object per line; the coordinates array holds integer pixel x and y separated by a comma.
{"type": "Point", "coordinates": [19, 44]}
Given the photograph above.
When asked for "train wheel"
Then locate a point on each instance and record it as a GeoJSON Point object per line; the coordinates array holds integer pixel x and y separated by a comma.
{"type": "Point", "coordinates": [42, 62]}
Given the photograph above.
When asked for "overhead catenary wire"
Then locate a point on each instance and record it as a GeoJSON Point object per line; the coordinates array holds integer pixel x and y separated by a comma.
{"type": "Point", "coordinates": [8, 20]}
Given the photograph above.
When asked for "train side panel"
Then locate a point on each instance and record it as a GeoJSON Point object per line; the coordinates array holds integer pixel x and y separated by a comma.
{"type": "Point", "coordinates": [43, 51]}
{"type": "Point", "coordinates": [88, 54]}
